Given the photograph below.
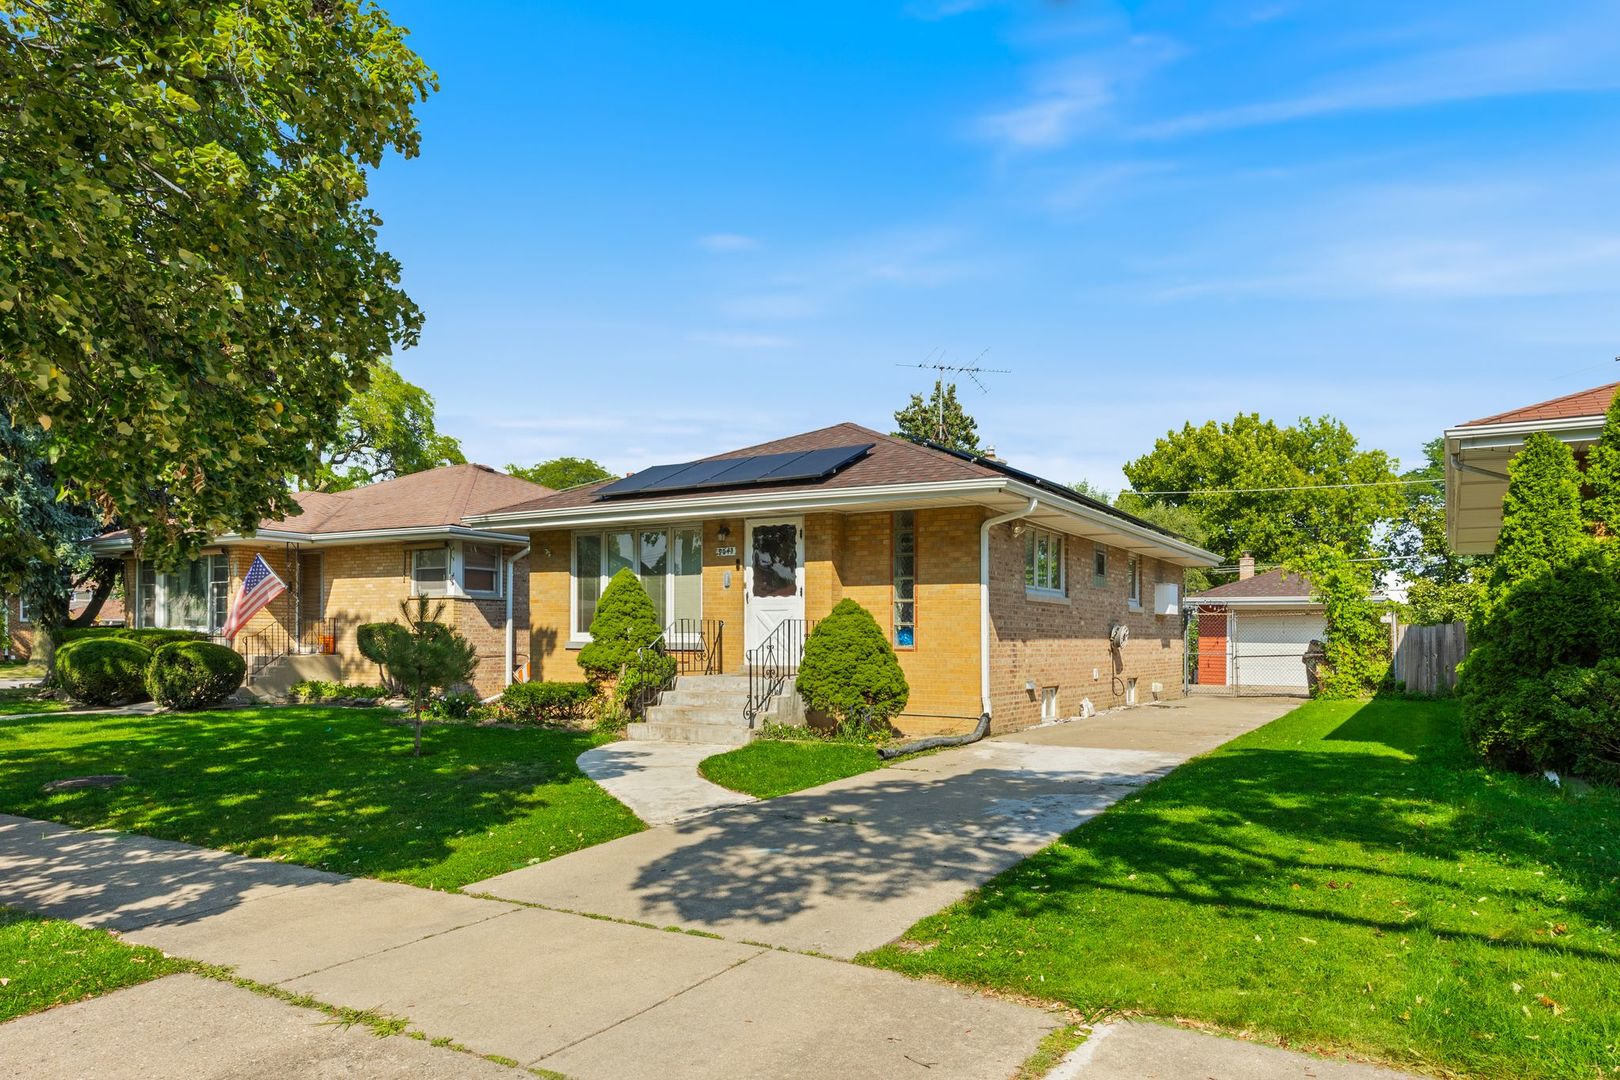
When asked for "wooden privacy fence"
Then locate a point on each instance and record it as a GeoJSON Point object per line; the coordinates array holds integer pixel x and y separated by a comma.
{"type": "Point", "coordinates": [1426, 657]}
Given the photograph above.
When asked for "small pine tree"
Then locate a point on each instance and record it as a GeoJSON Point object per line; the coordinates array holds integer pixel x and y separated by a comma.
{"type": "Point", "coordinates": [1602, 508]}
{"type": "Point", "coordinates": [850, 671]}
{"type": "Point", "coordinates": [1541, 514]}
{"type": "Point", "coordinates": [424, 655]}
{"type": "Point", "coordinates": [625, 622]}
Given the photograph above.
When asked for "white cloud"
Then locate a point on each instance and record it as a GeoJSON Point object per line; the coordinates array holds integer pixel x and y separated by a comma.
{"type": "Point", "coordinates": [1583, 56]}
{"type": "Point", "coordinates": [737, 339]}
{"type": "Point", "coordinates": [726, 243]}
{"type": "Point", "coordinates": [1067, 97]}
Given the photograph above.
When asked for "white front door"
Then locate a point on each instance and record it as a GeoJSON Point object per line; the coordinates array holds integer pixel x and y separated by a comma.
{"type": "Point", "coordinates": [773, 577]}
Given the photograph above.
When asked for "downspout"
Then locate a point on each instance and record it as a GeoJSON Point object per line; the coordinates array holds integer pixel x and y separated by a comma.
{"type": "Point", "coordinates": [983, 727]}
{"type": "Point", "coordinates": [984, 596]}
{"type": "Point", "coordinates": [511, 630]}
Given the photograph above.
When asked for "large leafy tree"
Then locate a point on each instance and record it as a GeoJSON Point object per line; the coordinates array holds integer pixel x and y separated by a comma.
{"type": "Point", "coordinates": [384, 431]}
{"type": "Point", "coordinates": [1271, 490]}
{"type": "Point", "coordinates": [561, 473]}
{"type": "Point", "coordinates": [940, 419]}
{"type": "Point", "coordinates": [1442, 585]}
{"type": "Point", "coordinates": [190, 282]}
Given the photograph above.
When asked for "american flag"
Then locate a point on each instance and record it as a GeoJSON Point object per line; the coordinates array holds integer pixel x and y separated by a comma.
{"type": "Point", "coordinates": [259, 588]}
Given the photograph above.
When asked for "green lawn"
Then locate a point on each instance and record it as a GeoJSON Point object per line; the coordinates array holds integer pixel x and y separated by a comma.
{"type": "Point", "coordinates": [49, 962]}
{"type": "Point", "coordinates": [328, 787]}
{"type": "Point", "coordinates": [1344, 878]}
{"type": "Point", "coordinates": [21, 669]}
{"type": "Point", "coordinates": [21, 701]}
{"type": "Point", "coordinates": [768, 768]}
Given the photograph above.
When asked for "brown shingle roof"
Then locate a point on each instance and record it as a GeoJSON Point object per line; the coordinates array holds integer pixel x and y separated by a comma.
{"type": "Point", "coordinates": [1273, 583]}
{"type": "Point", "coordinates": [891, 461]}
{"type": "Point", "coordinates": [424, 500]}
{"type": "Point", "coordinates": [1593, 402]}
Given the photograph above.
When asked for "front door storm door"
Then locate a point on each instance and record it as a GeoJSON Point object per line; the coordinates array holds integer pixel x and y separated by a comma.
{"type": "Point", "coordinates": [773, 577]}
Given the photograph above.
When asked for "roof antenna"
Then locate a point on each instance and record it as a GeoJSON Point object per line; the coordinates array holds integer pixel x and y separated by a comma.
{"type": "Point", "coordinates": [935, 361]}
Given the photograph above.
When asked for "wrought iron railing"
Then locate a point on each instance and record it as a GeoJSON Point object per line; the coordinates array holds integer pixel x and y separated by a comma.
{"type": "Point", "coordinates": [265, 646]}
{"type": "Point", "coordinates": [773, 663]}
{"type": "Point", "coordinates": [695, 645]}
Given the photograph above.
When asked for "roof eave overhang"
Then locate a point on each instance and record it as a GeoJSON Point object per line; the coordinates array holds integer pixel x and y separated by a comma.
{"type": "Point", "coordinates": [1479, 500]}
{"type": "Point", "coordinates": [1253, 601]}
{"type": "Point", "coordinates": [334, 539]}
{"type": "Point", "coordinates": [993, 491]}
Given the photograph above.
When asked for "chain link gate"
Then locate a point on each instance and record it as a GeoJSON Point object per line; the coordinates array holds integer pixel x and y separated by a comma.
{"type": "Point", "coordinates": [1260, 653]}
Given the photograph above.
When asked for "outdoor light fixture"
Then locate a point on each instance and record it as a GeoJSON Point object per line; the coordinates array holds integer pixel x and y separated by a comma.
{"type": "Point", "coordinates": [724, 533]}
{"type": "Point", "coordinates": [1029, 686]}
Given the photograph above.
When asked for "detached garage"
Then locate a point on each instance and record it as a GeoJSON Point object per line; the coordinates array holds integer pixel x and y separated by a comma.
{"type": "Point", "coordinates": [1253, 633]}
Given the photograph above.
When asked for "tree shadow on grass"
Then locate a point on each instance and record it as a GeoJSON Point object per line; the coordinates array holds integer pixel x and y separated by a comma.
{"type": "Point", "coordinates": [327, 788]}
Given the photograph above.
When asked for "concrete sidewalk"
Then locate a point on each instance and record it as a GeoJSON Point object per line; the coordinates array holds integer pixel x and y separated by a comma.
{"type": "Point", "coordinates": [659, 781]}
{"type": "Point", "coordinates": [851, 865]}
{"type": "Point", "coordinates": [1141, 1051]}
{"type": "Point", "coordinates": [587, 997]}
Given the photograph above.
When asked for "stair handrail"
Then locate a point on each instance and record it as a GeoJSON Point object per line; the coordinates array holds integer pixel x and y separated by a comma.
{"type": "Point", "coordinates": [773, 662]}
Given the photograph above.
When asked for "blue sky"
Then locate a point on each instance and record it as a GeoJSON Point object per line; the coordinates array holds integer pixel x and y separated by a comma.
{"type": "Point", "coordinates": [647, 232]}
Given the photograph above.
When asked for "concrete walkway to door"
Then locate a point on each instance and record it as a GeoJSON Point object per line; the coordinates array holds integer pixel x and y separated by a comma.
{"type": "Point", "coordinates": [849, 866]}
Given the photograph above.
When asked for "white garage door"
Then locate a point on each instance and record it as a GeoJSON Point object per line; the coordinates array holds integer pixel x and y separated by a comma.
{"type": "Point", "coordinates": [1267, 649]}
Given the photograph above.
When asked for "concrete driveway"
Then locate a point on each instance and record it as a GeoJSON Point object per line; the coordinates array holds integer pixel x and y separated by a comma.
{"type": "Point", "coordinates": [849, 866]}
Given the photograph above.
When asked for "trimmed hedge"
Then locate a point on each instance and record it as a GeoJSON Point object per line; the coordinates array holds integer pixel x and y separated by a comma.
{"type": "Point", "coordinates": [103, 670]}
{"type": "Point", "coordinates": [546, 702]}
{"type": "Point", "coordinates": [850, 671]}
{"type": "Point", "coordinates": [150, 637]}
{"type": "Point", "coordinates": [194, 674]}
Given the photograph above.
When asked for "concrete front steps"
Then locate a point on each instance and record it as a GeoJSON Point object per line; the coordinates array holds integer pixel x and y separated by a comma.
{"type": "Point", "coordinates": [706, 709]}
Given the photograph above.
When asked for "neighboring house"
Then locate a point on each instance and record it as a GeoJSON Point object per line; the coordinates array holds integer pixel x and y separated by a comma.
{"type": "Point", "coordinates": [349, 558]}
{"type": "Point", "coordinates": [1478, 452]}
{"type": "Point", "coordinates": [1253, 632]}
{"type": "Point", "coordinates": [20, 624]}
{"type": "Point", "coordinates": [998, 589]}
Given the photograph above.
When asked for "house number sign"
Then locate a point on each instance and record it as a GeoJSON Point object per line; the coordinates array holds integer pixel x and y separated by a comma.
{"type": "Point", "coordinates": [726, 552]}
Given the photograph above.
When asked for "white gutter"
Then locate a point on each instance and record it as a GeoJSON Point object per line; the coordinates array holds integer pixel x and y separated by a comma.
{"type": "Point", "coordinates": [511, 630]}
{"type": "Point", "coordinates": [318, 539]}
{"type": "Point", "coordinates": [984, 596]}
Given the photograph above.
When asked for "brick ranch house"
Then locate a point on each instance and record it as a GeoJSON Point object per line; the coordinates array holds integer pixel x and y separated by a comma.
{"type": "Point", "coordinates": [349, 558]}
{"type": "Point", "coordinates": [999, 590]}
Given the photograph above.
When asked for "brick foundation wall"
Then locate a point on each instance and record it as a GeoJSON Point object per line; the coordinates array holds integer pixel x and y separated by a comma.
{"type": "Point", "coordinates": [19, 635]}
{"type": "Point", "coordinates": [1063, 643]}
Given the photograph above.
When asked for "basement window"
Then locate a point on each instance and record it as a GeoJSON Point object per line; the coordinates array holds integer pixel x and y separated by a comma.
{"type": "Point", "coordinates": [1049, 703]}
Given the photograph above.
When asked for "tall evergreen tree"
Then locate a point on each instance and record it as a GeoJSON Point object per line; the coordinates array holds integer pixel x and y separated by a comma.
{"type": "Point", "coordinates": [1602, 508]}
{"type": "Point", "coordinates": [1541, 513]}
{"type": "Point", "coordinates": [941, 419]}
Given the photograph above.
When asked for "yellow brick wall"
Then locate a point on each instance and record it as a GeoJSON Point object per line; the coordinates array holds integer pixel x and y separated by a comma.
{"type": "Point", "coordinates": [720, 600]}
{"type": "Point", "coordinates": [550, 557]}
{"type": "Point", "coordinates": [20, 636]}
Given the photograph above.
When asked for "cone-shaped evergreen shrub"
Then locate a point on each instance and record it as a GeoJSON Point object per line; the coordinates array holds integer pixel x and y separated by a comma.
{"type": "Point", "coordinates": [625, 621]}
{"type": "Point", "coordinates": [1602, 509]}
{"type": "Point", "coordinates": [850, 670]}
{"type": "Point", "coordinates": [1541, 513]}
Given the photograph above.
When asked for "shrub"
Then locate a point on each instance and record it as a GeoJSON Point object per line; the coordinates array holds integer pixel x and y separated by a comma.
{"type": "Point", "coordinates": [625, 621]}
{"type": "Point", "coordinates": [1541, 513]}
{"type": "Point", "coordinates": [1566, 720]}
{"type": "Point", "coordinates": [318, 690]}
{"type": "Point", "coordinates": [850, 671]}
{"type": "Point", "coordinates": [424, 655]}
{"type": "Point", "coordinates": [194, 674]}
{"type": "Point", "coordinates": [1602, 477]}
{"type": "Point", "coordinates": [546, 702]}
{"type": "Point", "coordinates": [1357, 655]}
{"type": "Point", "coordinates": [103, 670]}
{"type": "Point", "coordinates": [648, 671]}
{"type": "Point", "coordinates": [150, 637]}
{"type": "Point", "coordinates": [455, 705]}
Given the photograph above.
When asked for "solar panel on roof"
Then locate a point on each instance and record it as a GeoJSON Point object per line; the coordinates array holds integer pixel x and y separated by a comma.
{"type": "Point", "coordinates": [738, 472]}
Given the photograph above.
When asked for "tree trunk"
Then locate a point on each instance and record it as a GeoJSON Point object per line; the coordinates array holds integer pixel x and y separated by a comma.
{"type": "Point", "coordinates": [43, 652]}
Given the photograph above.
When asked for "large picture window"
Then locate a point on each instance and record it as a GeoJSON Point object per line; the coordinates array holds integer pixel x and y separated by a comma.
{"type": "Point", "coordinates": [193, 596]}
{"type": "Point", "coordinates": [1043, 562]}
{"type": "Point", "coordinates": [668, 562]}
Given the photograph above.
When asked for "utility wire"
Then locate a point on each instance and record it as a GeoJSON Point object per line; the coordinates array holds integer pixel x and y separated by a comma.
{"type": "Point", "coordinates": [1302, 487]}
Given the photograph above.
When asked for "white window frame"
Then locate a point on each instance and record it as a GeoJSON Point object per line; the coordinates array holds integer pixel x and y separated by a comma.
{"type": "Point", "coordinates": [446, 588]}
{"type": "Point", "coordinates": [1049, 703]}
{"type": "Point", "coordinates": [1133, 577]}
{"type": "Point", "coordinates": [578, 635]}
{"type": "Point", "coordinates": [160, 595]}
{"type": "Point", "coordinates": [1099, 552]}
{"type": "Point", "coordinates": [22, 612]}
{"type": "Point", "coordinates": [462, 551]}
{"type": "Point", "coordinates": [1046, 588]}
{"type": "Point", "coordinates": [904, 522]}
